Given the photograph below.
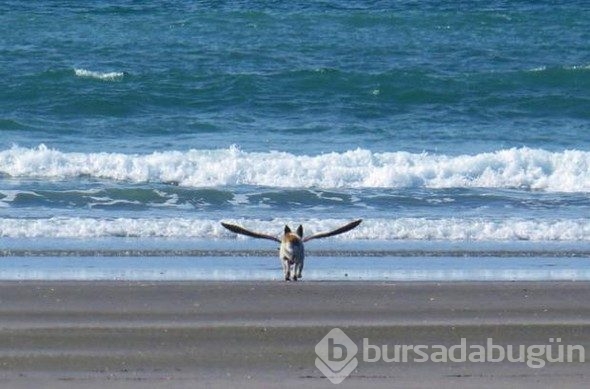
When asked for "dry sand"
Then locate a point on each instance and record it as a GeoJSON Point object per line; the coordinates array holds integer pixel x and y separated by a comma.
{"type": "Point", "coordinates": [263, 334]}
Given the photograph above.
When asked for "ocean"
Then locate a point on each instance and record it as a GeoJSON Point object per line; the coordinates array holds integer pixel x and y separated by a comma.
{"type": "Point", "coordinates": [458, 131]}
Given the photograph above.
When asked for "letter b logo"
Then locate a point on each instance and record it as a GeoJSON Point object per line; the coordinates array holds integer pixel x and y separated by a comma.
{"type": "Point", "coordinates": [336, 355]}
{"type": "Point", "coordinates": [337, 351]}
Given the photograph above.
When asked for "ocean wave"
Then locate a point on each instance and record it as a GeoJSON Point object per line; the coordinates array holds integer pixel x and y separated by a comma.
{"type": "Point", "coordinates": [535, 169]}
{"type": "Point", "coordinates": [566, 68]}
{"type": "Point", "coordinates": [104, 76]}
{"type": "Point", "coordinates": [404, 229]}
{"type": "Point", "coordinates": [522, 168]}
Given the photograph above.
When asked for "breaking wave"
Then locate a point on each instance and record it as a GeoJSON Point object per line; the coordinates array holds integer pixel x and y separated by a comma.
{"type": "Point", "coordinates": [104, 76]}
{"type": "Point", "coordinates": [419, 229]}
{"type": "Point", "coordinates": [522, 168]}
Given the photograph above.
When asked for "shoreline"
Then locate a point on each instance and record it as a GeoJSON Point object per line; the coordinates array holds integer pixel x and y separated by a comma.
{"type": "Point", "coordinates": [317, 269]}
{"type": "Point", "coordinates": [253, 334]}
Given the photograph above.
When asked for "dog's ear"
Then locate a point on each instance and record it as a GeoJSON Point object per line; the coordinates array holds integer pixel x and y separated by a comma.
{"type": "Point", "coordinates": [287, 229]}
{"type": "Point", "coordinates": [300, 231]}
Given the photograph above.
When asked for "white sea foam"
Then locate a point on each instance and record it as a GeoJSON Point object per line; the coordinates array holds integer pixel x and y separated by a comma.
{"type": "Point", "coordinates": [536, 169]}
{"type": "Point", "coordinates": [538, 69]}
{"type": "Point", "coordinates": [568, 67]}
{"type": "Point", "coordinates": [578, 67]}
{"type": "Point", "coordinates": [105, 76]}
{"type": "Point", "coordinates": [444, 229]}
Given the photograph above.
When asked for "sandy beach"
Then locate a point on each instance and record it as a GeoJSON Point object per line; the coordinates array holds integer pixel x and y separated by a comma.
{"type": "Point", "coordinates": [263, 334]}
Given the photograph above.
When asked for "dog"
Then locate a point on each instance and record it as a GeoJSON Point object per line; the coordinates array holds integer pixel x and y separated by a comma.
{"type": "Point", "coordinates": [291, 252]}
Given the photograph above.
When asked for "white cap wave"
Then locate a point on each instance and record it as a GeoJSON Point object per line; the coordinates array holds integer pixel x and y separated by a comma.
{"type": "Point", "coordinates": [526, 168]}
{"type": "Point", "coordinates": [402, 229]}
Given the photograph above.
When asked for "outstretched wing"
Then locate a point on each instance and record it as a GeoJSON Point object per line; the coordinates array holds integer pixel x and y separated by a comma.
{"type": "Point", "coordinates": [337, 231]}
{"type": "Point", "coordinates": [243, 231]}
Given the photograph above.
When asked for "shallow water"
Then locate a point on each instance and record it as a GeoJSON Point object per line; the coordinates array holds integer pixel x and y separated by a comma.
{"type": "Point", "coordinates": [350, 268]}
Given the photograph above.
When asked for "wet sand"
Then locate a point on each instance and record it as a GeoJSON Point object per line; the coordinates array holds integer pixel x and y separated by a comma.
{"type": "Point", "coordinates": [263, 334]}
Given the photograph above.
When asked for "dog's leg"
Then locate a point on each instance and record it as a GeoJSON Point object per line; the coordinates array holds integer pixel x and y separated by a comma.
{"type": "Point", "coordinates": [295, 264]}
{"type": "Point", "coordinates": [295, 269]}
{"type": "Point", "coordinates": [299, 268]}
{"type": "Point", "coordinates": [286, 268]}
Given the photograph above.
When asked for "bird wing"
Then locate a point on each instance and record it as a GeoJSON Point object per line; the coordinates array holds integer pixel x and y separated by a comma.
{"type": "Point", "coordinates": [337, 231]}
{"type": "Point", "coordinates": [243, 231]}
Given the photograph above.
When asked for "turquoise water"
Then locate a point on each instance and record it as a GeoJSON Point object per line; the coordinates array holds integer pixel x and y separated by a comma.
{"type": "Point", "coordinates": [441, 77]}
{"type": "Point", "coordinates": [436, 122]}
